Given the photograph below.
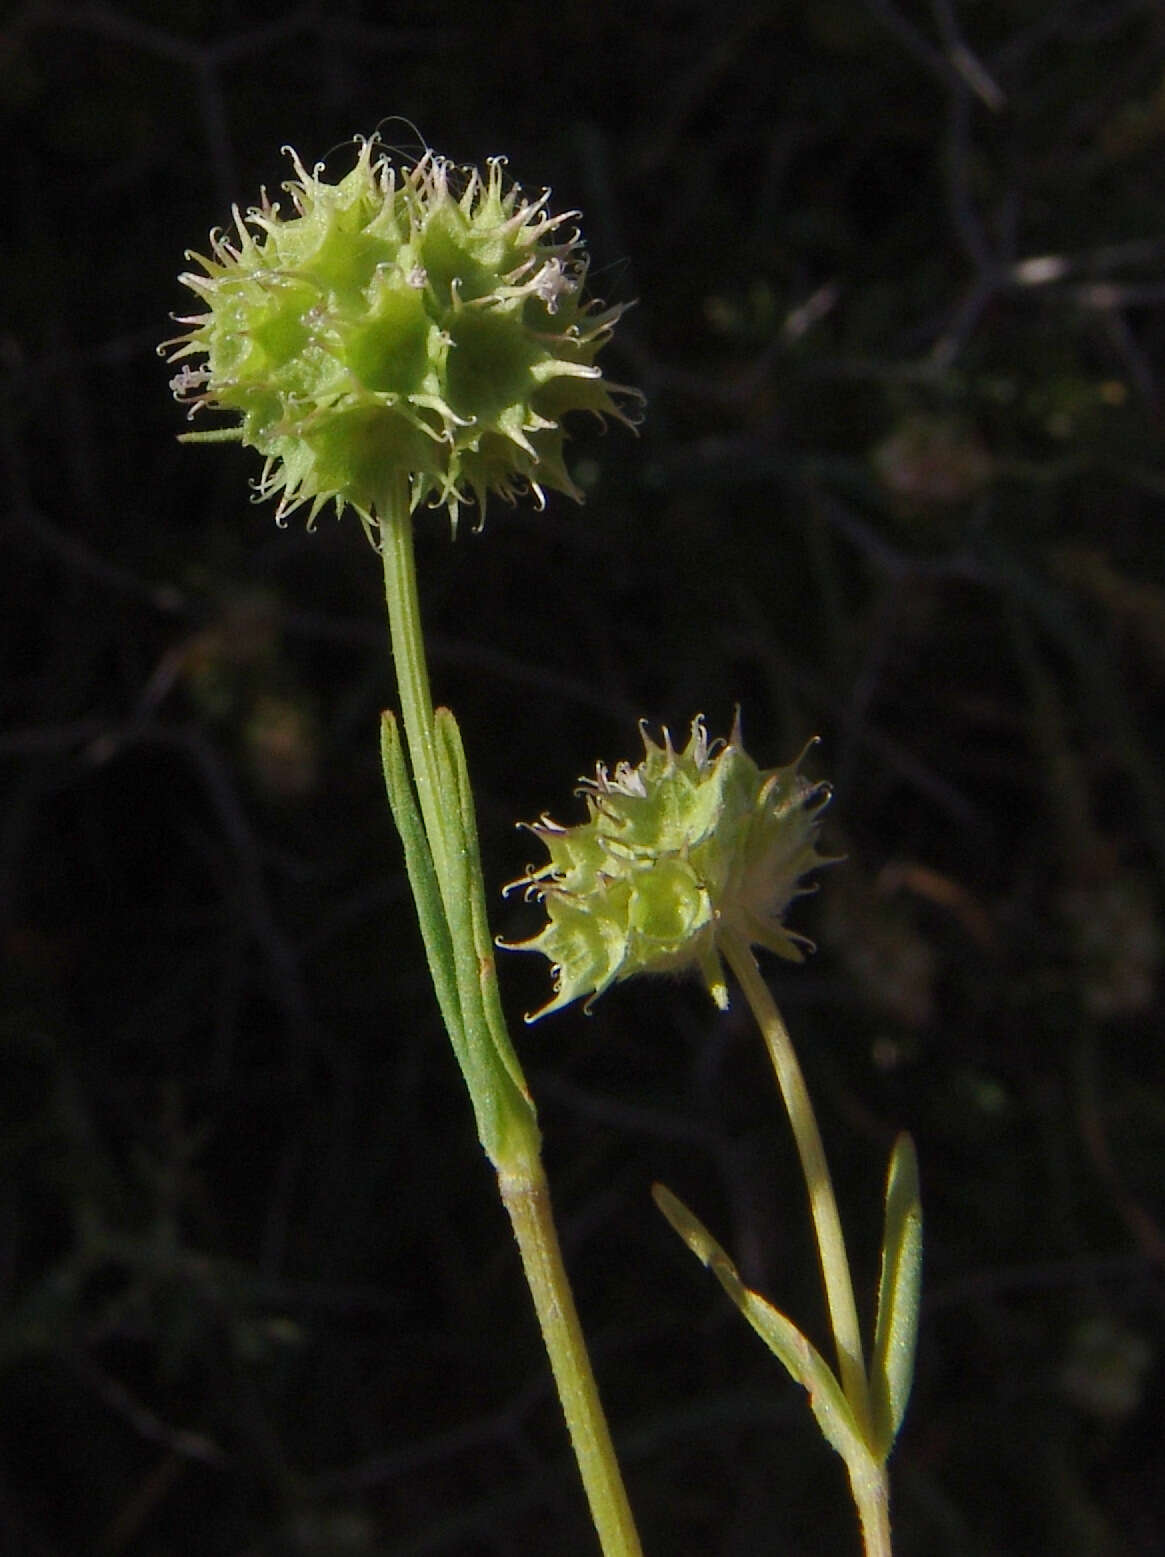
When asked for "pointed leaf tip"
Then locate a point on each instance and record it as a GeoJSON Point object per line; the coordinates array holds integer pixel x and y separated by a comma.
{"type": "Point", "coordinates": [899, 1289]}
{"type": "Point", "coordinates": [801, 1359]}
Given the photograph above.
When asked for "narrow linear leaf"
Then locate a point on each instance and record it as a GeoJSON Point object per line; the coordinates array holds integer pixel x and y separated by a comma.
{"type": "Point", "coordinates": [455, 770]}
{"type": "Point", "coordinates": [896, 1331]}
{"type": "Point", "coordinates": [800, 1357]}
{"type": "Point", "coordinates": [423, 880]}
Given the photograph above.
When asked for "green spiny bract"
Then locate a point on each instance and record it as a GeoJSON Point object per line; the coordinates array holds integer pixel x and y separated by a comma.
{"type": "Point", "coordinates": [674, 853]}
{"type": "Point", "coordinates": [422, 323]}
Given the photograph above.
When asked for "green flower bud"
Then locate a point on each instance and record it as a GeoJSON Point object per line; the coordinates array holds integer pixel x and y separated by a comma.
{"type": "Point", "coordinates": [674, 854]}
{"type": "Point", "coordinates": [422, 322]}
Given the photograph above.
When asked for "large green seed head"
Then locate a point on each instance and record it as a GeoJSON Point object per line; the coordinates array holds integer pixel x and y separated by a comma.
{"type": "Point", "coordinates": [423, 323]}
{"type": "Point", "coordinates": [674, 853]}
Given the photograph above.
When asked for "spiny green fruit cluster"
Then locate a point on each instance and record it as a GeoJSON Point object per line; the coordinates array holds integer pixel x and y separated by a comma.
{"type": "Point", "coordinates": [422, 323]}
{"type": "Point", "coordinates": [675, 853]}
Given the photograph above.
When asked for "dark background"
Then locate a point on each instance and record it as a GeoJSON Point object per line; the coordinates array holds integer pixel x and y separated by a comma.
{"type": "Point", "coordinates": [898, 271]}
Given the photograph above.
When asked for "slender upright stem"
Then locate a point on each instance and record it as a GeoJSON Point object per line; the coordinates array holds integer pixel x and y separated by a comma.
{"type": "Point", "coordinates": [870, 1485]}
{"type": "Point", "coordinates": [412, 673]}
{"type": "Point", "coordinates": [497, 1093]}
{"type": "Point", "coordinates": [527, 1199]}
{"type": "Point", "coordinates": [835, 1269]}
{"type": "Point", "coordinates": [869, 1481]}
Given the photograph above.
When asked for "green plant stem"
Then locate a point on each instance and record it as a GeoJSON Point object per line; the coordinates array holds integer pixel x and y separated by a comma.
{"type": "Point", "coordinates": [398, 555]}
{"type": "Point", "coordinates": [869, 1481]}
{"type": "Point", "coordinates": [527, 1199]}
{"type": "Point", "coordinates": [870, 1485]}
{"type": "Point", "coordinates": [839, 1290]}
{"type": "Point", "coordinates": [498, 1094]}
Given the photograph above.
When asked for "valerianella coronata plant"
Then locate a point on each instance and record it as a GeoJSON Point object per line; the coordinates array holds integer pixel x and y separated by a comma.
{"type": "Point", "coordinates": [423, 321]}
{"type": "Point", "coordinates": [675, 854]}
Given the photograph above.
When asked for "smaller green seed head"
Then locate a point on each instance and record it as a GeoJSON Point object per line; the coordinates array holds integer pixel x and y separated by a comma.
{"type": "Point", "coordinates": [423, 323]}
{"type": "Point", "coordinates": [673, 854]}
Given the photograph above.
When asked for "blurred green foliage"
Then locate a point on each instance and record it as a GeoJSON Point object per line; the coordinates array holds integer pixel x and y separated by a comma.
{"type": "Point", "coordinates": [898, 270]}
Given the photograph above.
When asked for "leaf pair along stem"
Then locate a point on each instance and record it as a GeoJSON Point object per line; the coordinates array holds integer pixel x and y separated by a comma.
{"type": "Point", "coordinates": [433, 809]}
{"type": "Point", "coordinates": [859, 1414]}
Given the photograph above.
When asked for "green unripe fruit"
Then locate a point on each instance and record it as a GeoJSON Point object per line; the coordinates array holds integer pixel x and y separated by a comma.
{"type": "Point", "coordinates": [674, 853]}
{"type": "Point", "coordinates": [423, 323]}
